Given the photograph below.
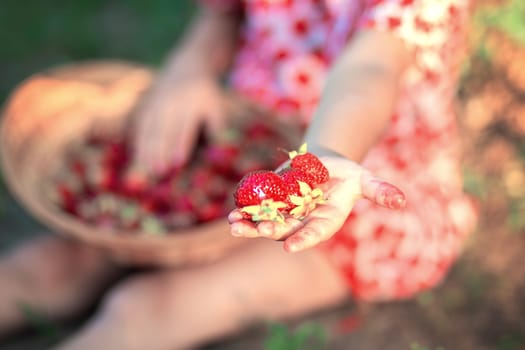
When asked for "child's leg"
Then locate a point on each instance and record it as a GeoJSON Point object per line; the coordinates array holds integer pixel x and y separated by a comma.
{"type": "Point", "coordinates": [52, 275]}
{"type": "Point", "coordinates": [181, 309]}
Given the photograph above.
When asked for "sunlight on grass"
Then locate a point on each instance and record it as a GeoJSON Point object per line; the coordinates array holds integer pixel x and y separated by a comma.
{"type": "Point", "coordinates": [307, 336]}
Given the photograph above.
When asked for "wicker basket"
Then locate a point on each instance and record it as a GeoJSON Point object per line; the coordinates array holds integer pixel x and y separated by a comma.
{"type": "Point", "coordinates": [49, 110]}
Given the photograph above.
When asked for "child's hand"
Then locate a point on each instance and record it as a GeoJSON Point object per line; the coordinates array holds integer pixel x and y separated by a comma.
{"type": "Point", "coordinates": [169, 118]}
{"type": "Point", "coordinates": [348, 183]}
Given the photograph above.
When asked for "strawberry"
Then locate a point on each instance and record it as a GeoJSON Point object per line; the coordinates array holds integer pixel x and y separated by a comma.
{"type": "Point", "coordinates": [160, 198]}
{"type": "Point", "coordinates": [257, 186]}
{"type": "Point", "coordinates": [315, 171]}
{"type": "Point", "coordinates": [221, 157]}
{"type": "Point", "coordinates": [258, 130]}
{"type": "Point", "coordinates": [67, 199]}
{"type": "Point", "coordinates": [134, 182]}
{"type": "Point", "coordinates": [291, 178]}
{"type": "Point", "coordinates": [115, 155]}
{"type": "Point", "coordinates": [197, 193]}
{"type": "Point", "coordinates": [210, 211]}
{"type": "Point", "coordinates": [302, 198]}
{"type": "Point", "coordinates": [182, 203]}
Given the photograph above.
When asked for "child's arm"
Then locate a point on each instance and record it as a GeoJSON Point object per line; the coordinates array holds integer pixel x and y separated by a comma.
{"type": "Point", "coordinates": [359, 97]}
{"type": "Point", "coordinates": [354, 111]}
{"type": "Point", "coordinates": [186, 93]}
{"type": "Point", "coordinates": [209, 44]}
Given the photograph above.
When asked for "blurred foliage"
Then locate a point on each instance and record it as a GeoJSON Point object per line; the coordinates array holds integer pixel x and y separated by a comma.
{"type": "Point", "coordinates": [38, 34]}
{"type": "Point", "coordinates": [307, 336]}
{"type": "Point", "coordinates": [40, 323]}
{"type": "Point", "coordinates": [493, 90]}
{"type": "Point", "coordinates": [475, 184]}
{"type": "Point", "coordinates": [417, 346]}
{"type": "Point", "coordinates": [516, 219]}
{"type": "Point", "coordinates": [511, 342]}
{"type": "Point", "coordinates": [2, 195]}
{"type": "Point", "coordinates": [509, 18]}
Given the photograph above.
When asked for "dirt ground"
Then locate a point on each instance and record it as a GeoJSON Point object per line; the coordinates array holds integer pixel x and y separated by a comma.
{"type": "Point", "coordinates": [481, 304]}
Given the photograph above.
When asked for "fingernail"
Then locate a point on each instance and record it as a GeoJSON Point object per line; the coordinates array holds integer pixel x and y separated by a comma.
{"type": "Point", "coordinates": [293, 248]}
{"type": "Point", "coordinates": [293, 245]}
{"type": "Point", "coordinates": [398, 201]}
{"type": "Point", "coordinates": [235, 231]}
{"type": "Point", "coordinates": [394, 200]}
{"type": "Point", "coordinates": [390, 196]}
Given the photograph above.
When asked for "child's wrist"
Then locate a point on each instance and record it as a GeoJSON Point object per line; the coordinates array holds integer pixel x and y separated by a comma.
{"type": "Point", "coordinates": [322, 151]}
{"type": "Point", "coordinates": [186, 65]}
{"type": "Point", "coordinates": [189, 62]}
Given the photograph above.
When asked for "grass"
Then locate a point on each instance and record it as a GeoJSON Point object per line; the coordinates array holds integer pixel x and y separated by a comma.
{"type": "Point", "coordinates": [36, 34]}
{"type": "Point", "coordinates": [307, 336]}
{"type": "Point", "coordinates": [40, 323]}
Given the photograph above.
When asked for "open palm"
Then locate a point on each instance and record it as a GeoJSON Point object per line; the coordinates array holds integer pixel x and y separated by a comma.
{"type": "Point", "coordinates": [348, 183]}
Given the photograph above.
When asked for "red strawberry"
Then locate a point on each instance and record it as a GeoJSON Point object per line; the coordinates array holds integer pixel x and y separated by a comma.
{"type": "Point", "coordinates": [115, 155]}
{"type": "Point", "coordinates": [179, 197]}
{"type": "Point", "coordinates": [291, 176]}
{"type": "Point", "coordinates": [256, 186]}
{"type": "Point", "coordinates": [209, 212]}
{"type": "Point", "coordinates": [221, 157]}
{"type": "Point", "coordinates": [258, 130]}
{"type": "Point", "coordinates": [302, 198]}
{"type": "Point", "coordinates": [182, 203]}
{"type": "Point", "coordinates": [134, 182]}
{"type": "Point", "coordinates": [160, 197]}
{"type": "Point", "coordinates": [67, 199]}
{"type": "Point", "coordinates": [78, 168]}
{"type": "Point", "coordinates": [312, 167]}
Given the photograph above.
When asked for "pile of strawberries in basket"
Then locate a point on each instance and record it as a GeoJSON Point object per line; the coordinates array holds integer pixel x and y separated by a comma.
{"type": "Point", "coordinates": [98, 185]}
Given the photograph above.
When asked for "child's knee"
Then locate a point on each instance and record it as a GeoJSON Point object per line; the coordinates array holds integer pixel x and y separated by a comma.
{"type": "Point", "coordinates": [54, 265]}
{"type": "Point", "coordinates": [135, 300]}
{"type": "Point", "coordinates": [121, 304]}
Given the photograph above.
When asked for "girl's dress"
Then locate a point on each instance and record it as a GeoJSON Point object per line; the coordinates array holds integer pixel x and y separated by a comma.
{"type": "Point", "coordinates": [286, 49]}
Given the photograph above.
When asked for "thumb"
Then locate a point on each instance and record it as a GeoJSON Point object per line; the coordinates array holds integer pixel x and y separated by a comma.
{"type": "Point", "coordinates": [381, 192]}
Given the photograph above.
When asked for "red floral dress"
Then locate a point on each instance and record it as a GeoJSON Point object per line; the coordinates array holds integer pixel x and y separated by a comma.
{"type": "Point", "coordinates": [286, 49]}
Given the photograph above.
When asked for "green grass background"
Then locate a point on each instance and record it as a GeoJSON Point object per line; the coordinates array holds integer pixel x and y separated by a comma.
{"type": "Point", "coordinates": [37, 34]}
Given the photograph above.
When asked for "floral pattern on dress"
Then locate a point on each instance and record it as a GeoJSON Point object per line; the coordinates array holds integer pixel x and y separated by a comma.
{"type": "Point", "coordinates": [287, 48]}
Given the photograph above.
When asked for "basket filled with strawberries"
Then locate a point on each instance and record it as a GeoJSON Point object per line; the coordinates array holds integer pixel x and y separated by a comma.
{"type": "Point", "coordinates": [67, 158]}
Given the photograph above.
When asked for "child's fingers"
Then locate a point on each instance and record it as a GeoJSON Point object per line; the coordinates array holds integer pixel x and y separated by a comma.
{"type": "Point", "coordinates": [184, 136]}
{"type": "Point", "coordinates": [314, 232]}
{"type": "Point", "coordinates": [143, 144]}
{"type": "Point", "coordinates": [234, 216]}
{"type": "Point", "coordinates": [268, 229]}
{"type": "Point", "coordinates": [244, 229]}
{"type": "Point", "coordinates": [215, 114]}
{"type": "Point", "coordinates": [321, 225]}
{"type": "Point", "coordinates": [279, 231]}
{"type": "Point", "coordinates": [381, 192]}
